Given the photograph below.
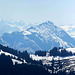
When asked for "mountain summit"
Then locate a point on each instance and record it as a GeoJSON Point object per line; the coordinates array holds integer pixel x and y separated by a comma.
{"type": "Point", "coordinates": [42, 37]}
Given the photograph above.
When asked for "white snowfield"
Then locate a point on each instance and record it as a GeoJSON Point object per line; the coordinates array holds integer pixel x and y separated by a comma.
{"type": "Point", "coordinates": [13, 60]}
{"type": "Point", "coordinates": [37, 58]}
{"type": "Point", "coordinates": [67, 62]}
{"type": "Point", "coordinates": [71, 49]}
{"type": "Point", "coordinates": [46, 59]}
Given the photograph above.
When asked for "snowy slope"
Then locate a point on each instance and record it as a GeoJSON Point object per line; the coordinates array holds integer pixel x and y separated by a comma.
{"type": "Point", "coordinates": [71, 49]}
{"type": "Point", "coordinates": [49, 34]}
{"type": "Point", "coordinates": [68, 63]}
{"type": "Point", "coordinates": [49, 58]}
{"type": "Point", "coordinates": [13, 60]}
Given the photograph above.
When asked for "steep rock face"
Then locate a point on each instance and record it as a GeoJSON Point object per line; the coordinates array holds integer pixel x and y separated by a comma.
{"type": "Point", "coordinates": [42, 37]}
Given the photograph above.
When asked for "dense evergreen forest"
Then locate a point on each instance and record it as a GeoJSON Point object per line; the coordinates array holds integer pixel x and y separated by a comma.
{"type": "Point", "coordinates": [7, 68]}
{"type": "Point", "coordinates": [32, 67]}
{"type": "Point", "coordinates": [55, 52]}
{"type": "Point", "coordinates": [23, 54]}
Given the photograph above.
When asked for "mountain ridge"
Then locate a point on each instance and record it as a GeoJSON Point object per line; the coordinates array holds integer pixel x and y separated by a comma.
{"type": "Point", "coordinates": [44, 36]}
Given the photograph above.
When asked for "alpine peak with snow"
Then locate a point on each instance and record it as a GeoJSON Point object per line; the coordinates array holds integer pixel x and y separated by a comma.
{"type": "Point", "coordinates": [44, 36]}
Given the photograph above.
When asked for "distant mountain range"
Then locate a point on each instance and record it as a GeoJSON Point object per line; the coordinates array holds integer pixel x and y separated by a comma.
{"type": "Point", "coordinates": [11, 26]}
{"type": "Point", "coordinates": [70, 29]}
{"type": "Point", "coordinates": [44, 36]}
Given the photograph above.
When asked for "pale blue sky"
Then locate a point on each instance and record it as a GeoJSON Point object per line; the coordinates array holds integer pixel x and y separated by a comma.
{"type": "Point", "coordinates": [37, 11]}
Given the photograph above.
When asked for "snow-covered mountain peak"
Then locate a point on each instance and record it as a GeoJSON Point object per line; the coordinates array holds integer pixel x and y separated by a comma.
{"type": "Point", "coordinates": [48, 23]}
{"type": "Point", "coordinates": [44, 36]}
{"type": "Point", "coordinates": [46, 29]}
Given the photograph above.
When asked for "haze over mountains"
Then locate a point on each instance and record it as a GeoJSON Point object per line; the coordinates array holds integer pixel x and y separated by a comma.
{"type": "Point", "coordinates": [44, 36]}
{"type": "Point", "coordinates": [10, 26]}
{"type": "Point", "coordinates": [70, 29]}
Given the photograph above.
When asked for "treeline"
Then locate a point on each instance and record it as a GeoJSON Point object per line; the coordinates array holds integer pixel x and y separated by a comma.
{"type": "Point", "coordinates": [7, 68]}
{"type": "Point", "coordinates": [40, 53]}
{"type": "Point", "coordinates": [35, 68]}
{"type": "Point", "coordinates": [23, 54]}
{"type": "Point", "coordinates": [19, 54]}
{"type": "Point", "coordinates": [55, 52]}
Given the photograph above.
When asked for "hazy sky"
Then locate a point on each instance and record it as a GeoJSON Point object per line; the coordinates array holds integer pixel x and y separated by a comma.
{"type": "Point", "coordinates": [37, 11]}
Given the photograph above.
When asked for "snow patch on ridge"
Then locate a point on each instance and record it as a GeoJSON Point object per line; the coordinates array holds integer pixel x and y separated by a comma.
{"type": "Point", "coordinates": [26, 33]}
{"type": "Point", "coordinates": [71, 49]}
